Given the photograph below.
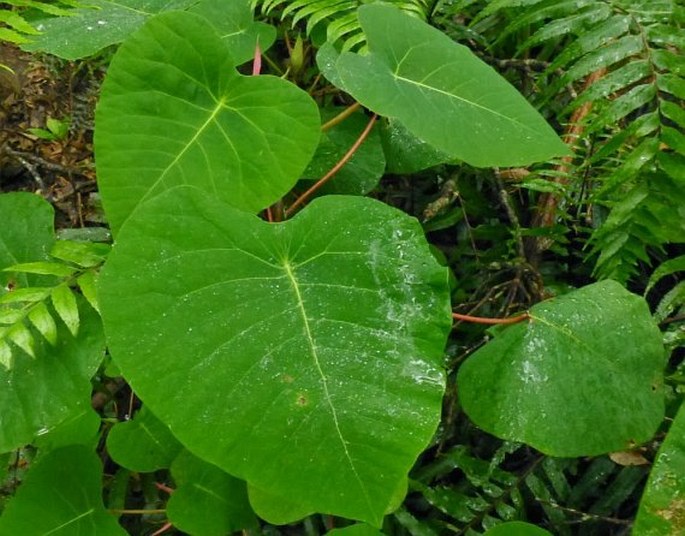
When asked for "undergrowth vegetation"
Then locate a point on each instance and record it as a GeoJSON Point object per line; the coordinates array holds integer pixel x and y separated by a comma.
{"type": "Point", "coordinates": [407, 268]}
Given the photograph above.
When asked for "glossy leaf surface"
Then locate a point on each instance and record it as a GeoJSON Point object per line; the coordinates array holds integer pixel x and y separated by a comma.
{"type": "Point", "coordinates": [96, 25]}
{"type": "Point", "coordinates": [662, 509]}
{"type": "Point", "coordinates": [324, 336]}
{"type": "Point", "coordinates": [61, 496]}
{"type": "Point", "coordinates": [554, 381]}
{"type": "Point", "coordinates": [175, 111]}
{"type": "Point", "coordinates": [443, 94]}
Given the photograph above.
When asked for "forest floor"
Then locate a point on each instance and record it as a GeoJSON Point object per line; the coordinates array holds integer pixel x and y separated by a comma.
{"type": "Point", "coordinates": [35, 95]}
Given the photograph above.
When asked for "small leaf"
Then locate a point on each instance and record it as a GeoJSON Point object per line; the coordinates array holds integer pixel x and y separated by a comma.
{"type": "Point", "coordinates": [144, 444]}
{"type": "Point", "coordinates": [20, 335]}
{"type": "Point", "coordinates": [44, 268]}
{"type": "Point", "coordinates": [555, 381]}
{"type": "Point", "coordinates": [65, 304]}
{"type": "Point", "coordinates": [437, 88]}
{"type": "Point", "coordinates": [87, 283]}
{"type": "Point", "coordinates": [10, 316]}
{"type": "Point", "coordinates": [207, 501]}
{"type": "Point", "coordinates": [61, 494]}
{"type": "Point", "coordinates": [26, 295]}
{"type": "Point", "coordinates": [84, 254]}
{"type": "Point", "coordinates": [41, 318]}
{"type": "Point", "coordinates": [5, 355]}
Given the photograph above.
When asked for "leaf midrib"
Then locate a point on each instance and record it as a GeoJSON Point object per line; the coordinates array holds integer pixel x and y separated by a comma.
{"type": "Point", "coordinates": [324, 381]}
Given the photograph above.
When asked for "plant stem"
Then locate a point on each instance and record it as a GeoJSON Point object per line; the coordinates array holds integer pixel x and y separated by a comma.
{"type": "Point", "coordinates": [491, 321]}
{"type": "Point", "coordinates": [328, 176]}
{"type": "Point", "coordinates": [340, 117]}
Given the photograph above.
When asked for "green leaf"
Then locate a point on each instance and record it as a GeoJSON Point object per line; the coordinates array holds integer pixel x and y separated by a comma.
{"type": "Point", "coordinates": [98, 24]}
{"type": "Point", "coordinates": [87, 283]}
{"type": "Point", "coordinates": [207, 501]}
{"type": "Point", "coordinates": [64, 301]}
{"type": "Point", "coordinates": [235, 25]}
{"type": "Point", "coordinates": [587, 358]}
{"type": "Point", "coordinates": [662, 508]}
{"type": "Point", "coordinates": [668, 267]}
{"type": "Point", "coordinates": [405, 153]}
{"type": "Point", "coordinates": [175, 111]}
{"type": "Point", "coordinates": [44, 268]}
{"type": "Point", "coordinates": [143, 444]}
{"type": "Point", "coordinates": [362, 172]}
{"type": "Point", "coordinates": [20, 335]}
{"type": "Point", "coordinates": [29, 239]}
{"type": "Point", "coordinates": [277, 509]}
{"type": "Point", "coordinates": [81, 428]}
{"type": "Point", "coordinates": [41, 318]}
{"type": "Point", "coordinates": [28, 407]}
{"type": "Point", "coordinates": [319, 400]}
{"type": "Point", "coordinates": [443, 93]}
{"type": "Point", "coordinates": [516, 528]}
{"type": "Point", "coordinates": [61, 495]}
{"type": "Point", "coordinates": [84, 254]}
{"type": "Point", "coordinates": [26, 295]}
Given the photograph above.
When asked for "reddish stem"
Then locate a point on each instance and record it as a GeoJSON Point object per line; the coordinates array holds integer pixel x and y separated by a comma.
{"type": "Point", "coordinates": [491, 321]}
{"type": "Point", "coordinates": [328, 176]}
{"type": "Point", "coordinates": [164, 487]}
{"type": "Point", "coordinates": [257, 62]}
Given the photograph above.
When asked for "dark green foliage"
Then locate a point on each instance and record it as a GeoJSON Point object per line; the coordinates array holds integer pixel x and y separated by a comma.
{"type": "Point", "coordinates": [632, 142]}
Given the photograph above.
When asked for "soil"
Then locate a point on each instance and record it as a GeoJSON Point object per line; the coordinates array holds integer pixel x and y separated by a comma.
{"type": "Point", "coordinates": [61, 170]}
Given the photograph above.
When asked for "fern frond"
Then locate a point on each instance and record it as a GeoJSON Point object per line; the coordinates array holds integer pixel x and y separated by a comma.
{"type": "Point", "coordinates": [636, 129]}
{"type": "Point", "coordinates": [27, 313]}
{"type": "Point", "coordinates": [339, 16]}
{"type": "Point", "coordinates": [14, 28]}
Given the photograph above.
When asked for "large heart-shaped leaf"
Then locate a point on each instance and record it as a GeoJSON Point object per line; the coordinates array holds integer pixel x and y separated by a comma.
{"type": "Point", "coordinates": [585, 359]}
{"type": "Point", "coordinates": [174, 110]}
{"type": "Point", "coordinates": [662, 508]}
{"type": "Point", "coordinates": [303, 357]}
{"type": "Point", "coordinates": [443, 93]}
{"type": "Point", "coordinates": [61, 496]}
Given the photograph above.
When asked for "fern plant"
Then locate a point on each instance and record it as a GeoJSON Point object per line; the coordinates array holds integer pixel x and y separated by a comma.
{"type": "Point", "coordinates": [339, 16]}
{"type": "Point", "coordinates": [15, 28]}
{"type": "Point", "coordinates": [26, 312]}
{"type": "Point", "coordinates": [632, 130]}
